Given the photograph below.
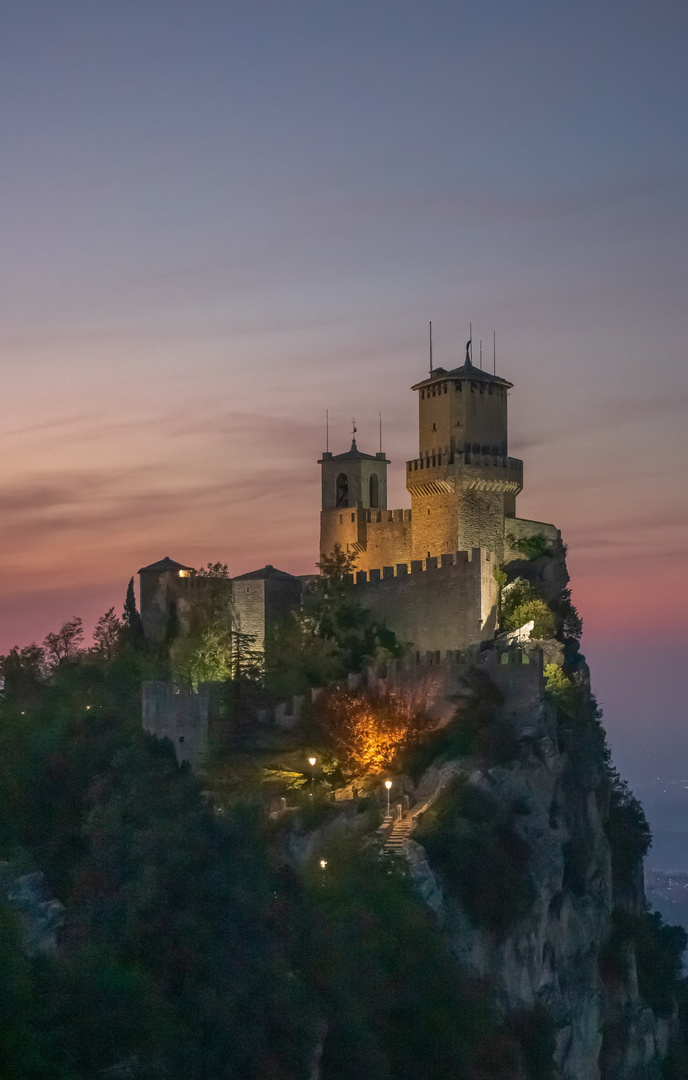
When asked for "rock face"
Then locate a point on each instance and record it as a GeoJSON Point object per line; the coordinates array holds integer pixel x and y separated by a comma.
{"type": "Point", "coordinates": [40, 916]}
{"type": "Point", "coordinates": [551, 957]}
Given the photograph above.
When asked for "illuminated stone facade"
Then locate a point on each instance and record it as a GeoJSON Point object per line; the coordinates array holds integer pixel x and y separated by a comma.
{"type": "Point", "coordinates": [463, 484]}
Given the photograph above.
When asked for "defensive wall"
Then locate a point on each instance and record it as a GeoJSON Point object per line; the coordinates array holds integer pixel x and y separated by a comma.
{"type": "Point", "coordinates": [431, 681]}
{"type": "Point", "coordinates": [434, 604]}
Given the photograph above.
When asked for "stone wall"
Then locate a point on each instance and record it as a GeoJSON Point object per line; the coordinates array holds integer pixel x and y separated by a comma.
{"type": "Point", "coordinates": [169, 712]}
{"type": "Point", "coordinates": [443, 604]}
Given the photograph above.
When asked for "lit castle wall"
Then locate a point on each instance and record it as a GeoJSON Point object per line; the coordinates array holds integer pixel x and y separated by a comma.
{"type": "Point", "coordinates": [427, 572]}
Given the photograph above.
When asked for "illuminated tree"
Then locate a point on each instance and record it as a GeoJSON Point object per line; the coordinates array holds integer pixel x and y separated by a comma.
{"type": "Point", "coordinates": [369, 732]}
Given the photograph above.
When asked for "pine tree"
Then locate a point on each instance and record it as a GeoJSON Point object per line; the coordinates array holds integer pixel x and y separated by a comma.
{"type": "Point", "coordinates": [133, 627]}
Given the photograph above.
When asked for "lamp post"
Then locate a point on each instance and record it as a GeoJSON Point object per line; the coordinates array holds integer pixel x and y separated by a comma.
{"type": "Point", "coordinates": [388, 785]}
{"type": "Point", "coordinates": [311, 762]}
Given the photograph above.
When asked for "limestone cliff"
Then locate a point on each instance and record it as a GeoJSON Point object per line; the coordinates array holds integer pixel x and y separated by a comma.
{"type": "Point", "coordinates": [542, 930]}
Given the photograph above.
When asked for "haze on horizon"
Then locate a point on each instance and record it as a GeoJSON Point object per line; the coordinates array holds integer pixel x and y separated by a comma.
{"type": "Point", "coordinates": [219, 220]}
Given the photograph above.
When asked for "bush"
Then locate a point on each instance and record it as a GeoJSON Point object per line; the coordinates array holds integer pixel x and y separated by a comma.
{"type": "Point", "coordinates": [470, 838]}
{"type": "Point", "coordinates": [531, 547]}
{"type": "Point", "coordinates": [519, 604]}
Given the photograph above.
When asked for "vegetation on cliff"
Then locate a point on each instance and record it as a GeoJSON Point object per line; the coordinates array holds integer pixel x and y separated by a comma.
{"type": "Point", "coordinates": [205, 939]}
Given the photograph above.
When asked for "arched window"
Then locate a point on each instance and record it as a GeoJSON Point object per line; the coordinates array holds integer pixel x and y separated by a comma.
{"type": "Point", "coordinates": [374, 490]}
{"type": "Point", "coordinates": [342, 490]}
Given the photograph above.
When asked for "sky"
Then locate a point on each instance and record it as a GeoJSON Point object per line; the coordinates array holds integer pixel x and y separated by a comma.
{"type": "Point", "coordinates": [220, 219]}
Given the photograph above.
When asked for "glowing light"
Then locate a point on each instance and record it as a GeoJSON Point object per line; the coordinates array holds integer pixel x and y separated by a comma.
{"type": "Point", "coordinates": [323, 864]}
{"type": "Point", "coordinates": [311, 761]}
{"type": "Point", "coordinates": [388, 784]}
{"type": "Point", "coordinates": [184, 573]}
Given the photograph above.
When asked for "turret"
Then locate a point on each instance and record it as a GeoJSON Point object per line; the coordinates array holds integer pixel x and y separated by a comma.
{"type": "Point", "coordinates": [352, 483]}
{"type": "Point", "coordinates": [463, 483]}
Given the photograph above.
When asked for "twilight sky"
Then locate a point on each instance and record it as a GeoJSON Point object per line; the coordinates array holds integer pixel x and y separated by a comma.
{"type": "Point", "coordinates": [221, 217]}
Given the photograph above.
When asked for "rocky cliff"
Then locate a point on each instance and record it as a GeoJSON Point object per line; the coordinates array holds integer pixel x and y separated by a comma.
{"type": "Point", "coordinates": [531, 855]}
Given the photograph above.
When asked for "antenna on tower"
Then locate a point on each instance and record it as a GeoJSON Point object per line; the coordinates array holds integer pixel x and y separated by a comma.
{"type": "Point", "coordinates": [470, 338]}
{"type": "Point", "coordinates": [380, 416]}
{"type": "Point", "coordinates": [327, 431]}
{"type": "Point", "coordinates": [481, 354]}
{"type": "Point", "coordinates": [430, 352]}
{"type": "Point", "coordinates": [494, 352]}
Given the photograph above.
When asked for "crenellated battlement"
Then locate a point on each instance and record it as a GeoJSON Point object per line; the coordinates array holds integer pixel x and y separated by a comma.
{"type": "Point", "coordinates": [383, 517]}
{"type": "Point", "coordinates": [420, 566]}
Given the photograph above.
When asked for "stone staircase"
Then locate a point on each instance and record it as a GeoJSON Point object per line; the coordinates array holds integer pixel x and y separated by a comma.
{"type": "Point", "coordinates": [401, 829]}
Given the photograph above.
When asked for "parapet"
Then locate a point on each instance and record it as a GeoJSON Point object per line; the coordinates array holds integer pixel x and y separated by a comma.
{"type": "Point", "coordinates": [385, 516]}
{"type": "Point", "coordinates": [422, 566]}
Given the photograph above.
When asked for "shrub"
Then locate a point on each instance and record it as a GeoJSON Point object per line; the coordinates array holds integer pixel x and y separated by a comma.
{"type": "Point", "coordinates": [531, 547]}
{"type": "Point", "coordinates": [471, 839]}
{"type": "Point", "coordinates": [520, 603]}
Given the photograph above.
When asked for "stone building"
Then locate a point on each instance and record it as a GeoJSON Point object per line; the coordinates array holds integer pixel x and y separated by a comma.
{"type": "Point", "coordinates": [426, 572]}
{"type": "Point", "coordinates": [258, 599]}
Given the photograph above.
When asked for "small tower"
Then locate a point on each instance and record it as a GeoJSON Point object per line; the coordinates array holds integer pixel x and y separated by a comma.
{"type": "Point", "coordinates": [462, 484]}
{"type": "Point", "coordinates": [352, 484]}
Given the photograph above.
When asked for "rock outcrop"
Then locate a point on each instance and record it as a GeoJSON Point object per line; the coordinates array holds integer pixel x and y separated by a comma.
{"type": "Point", "coordinates": [552, 957]}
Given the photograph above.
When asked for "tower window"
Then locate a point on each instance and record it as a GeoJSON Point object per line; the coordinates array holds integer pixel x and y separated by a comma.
{"type": "Point", "coordinates": [342, 490]}
{"type": "Point", "coordinates": [374, 490]}
{"type": "Point", "coordinates": [353, 517]}
{"type": "Point", "coordinates": [434, 427]}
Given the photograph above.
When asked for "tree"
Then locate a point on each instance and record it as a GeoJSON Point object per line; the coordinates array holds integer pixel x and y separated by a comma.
{"type": "Point", "coordinates": [66, 643]}
{"type": "Point", "coordinates": [133, 626]}
{"type": "Point", "coordinates": [23, 672]}
{"type": "Point", "coordinates": [369, 731]}
{"type": "Point", "coordinates": [108, 635]}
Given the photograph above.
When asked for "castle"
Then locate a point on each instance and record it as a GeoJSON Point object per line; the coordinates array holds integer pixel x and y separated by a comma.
{"type": "Point", "coordinates": [427, 572]}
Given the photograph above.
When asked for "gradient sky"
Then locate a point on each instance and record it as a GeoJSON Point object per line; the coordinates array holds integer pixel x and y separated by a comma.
{"type": "Point", "coordinates": [219, 219]}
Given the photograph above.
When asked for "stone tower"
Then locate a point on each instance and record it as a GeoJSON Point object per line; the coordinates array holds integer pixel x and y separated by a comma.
{"type": "Point", "coordinates": [462, 484]}
{"type": "Point", "coordinates": [352, 484]}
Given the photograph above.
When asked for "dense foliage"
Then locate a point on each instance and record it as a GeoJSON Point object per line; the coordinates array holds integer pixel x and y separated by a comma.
{"type": "Point", "coordinates": [192, 947]}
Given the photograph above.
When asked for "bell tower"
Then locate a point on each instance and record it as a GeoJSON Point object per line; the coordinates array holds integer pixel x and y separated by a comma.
{"type": "Point", "coordinates": [463, 483]}
{"type": "Point", "coordinates": [352, 484]}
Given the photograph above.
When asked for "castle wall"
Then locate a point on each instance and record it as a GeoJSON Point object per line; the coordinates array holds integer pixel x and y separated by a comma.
{"type": "Point", "coordinates": [387, 539]}
{"type": "Point", "coordinates": [521, 528]}
{"type": "Point", "coordinates": [434, 607]}
{"type": "Point", "coordinates": [181, 717]}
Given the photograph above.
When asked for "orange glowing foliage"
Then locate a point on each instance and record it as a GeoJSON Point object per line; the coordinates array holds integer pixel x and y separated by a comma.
{"type": "Point", "coordinates": [368, 732]}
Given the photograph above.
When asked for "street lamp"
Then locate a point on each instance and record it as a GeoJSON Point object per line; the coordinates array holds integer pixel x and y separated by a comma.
{"type": "Point", "coordinates": [388, 785]}
{"type": "Point", "coordinates": [323, 864]}
{"type": "Point", "coordinates": [311, 762]}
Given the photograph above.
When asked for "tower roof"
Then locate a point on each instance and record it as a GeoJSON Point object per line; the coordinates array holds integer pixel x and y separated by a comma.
{"type": "Point", "coordinates": [268, 571]}
{"type": "Point", "coordinates": [354, 454]}
{"type": "Point", "coordinates": [165, 564]}
{"type": "Point", "coordinates": [467, 371]}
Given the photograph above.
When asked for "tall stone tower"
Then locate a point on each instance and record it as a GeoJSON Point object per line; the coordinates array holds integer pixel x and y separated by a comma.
{"type": "Point", "coordinates": [462, 484]}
